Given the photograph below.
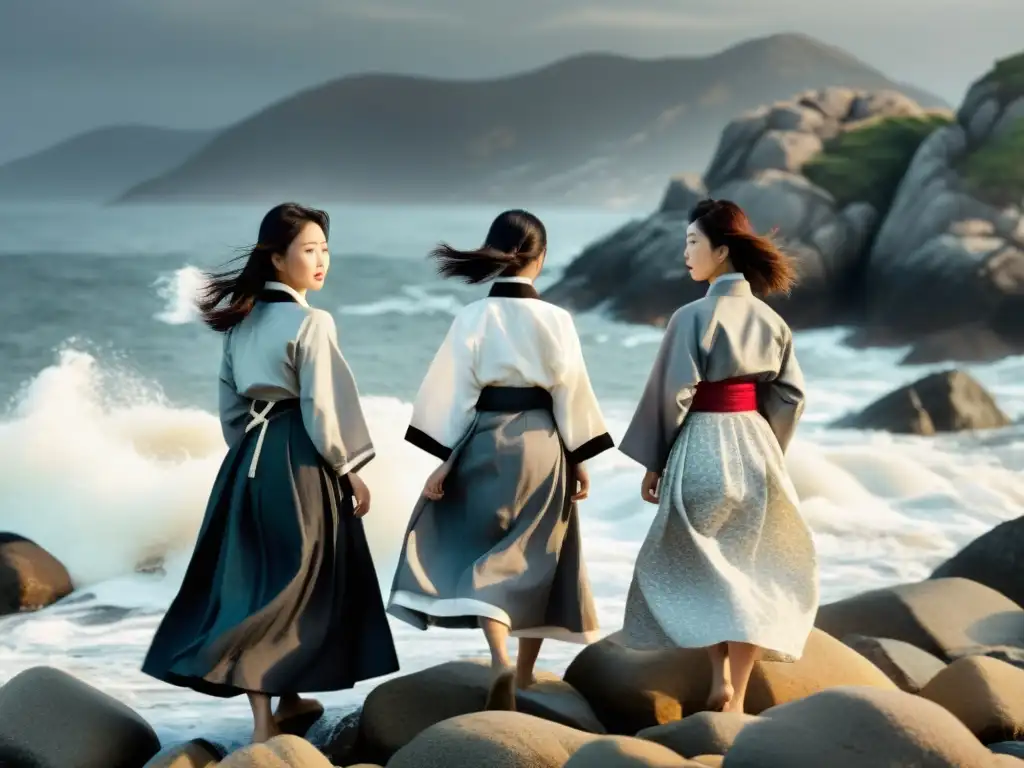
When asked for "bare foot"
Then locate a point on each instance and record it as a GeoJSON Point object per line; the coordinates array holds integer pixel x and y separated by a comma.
{"type": "Point", "coordinates": [735, 706]}
{"type": "Point", "coordinates": [292, 706]}
{"type": "Point", "coordinates": [525, 682]}
{"type": "Point", "coordinates": [264, 732]}
{"type": "Point", "coordinates": [296, 715]}
{"type": "Point", "coordinates": [721, 698]}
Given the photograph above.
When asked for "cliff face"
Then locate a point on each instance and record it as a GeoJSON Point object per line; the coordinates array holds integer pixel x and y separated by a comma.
{"type": "Point", "coordinates": [953, 238]}
{"type": "Point", "coordinates": [906, 222]}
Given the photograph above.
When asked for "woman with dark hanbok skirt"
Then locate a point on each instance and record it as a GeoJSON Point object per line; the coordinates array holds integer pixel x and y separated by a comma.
{"type": "Point", "coordinates": [280, 597]}
{"type": "Point", "coordinates": [507, 406]}
{"type": "Point", "coordinates": [729, 563]}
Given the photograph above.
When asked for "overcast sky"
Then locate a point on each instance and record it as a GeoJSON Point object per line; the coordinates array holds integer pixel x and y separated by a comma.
{"type": "Point", "coordinates": [71, 65]}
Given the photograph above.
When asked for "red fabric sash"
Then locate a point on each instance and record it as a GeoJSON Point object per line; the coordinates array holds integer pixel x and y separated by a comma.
{"type": "Point", "coordinates": [728, 396]}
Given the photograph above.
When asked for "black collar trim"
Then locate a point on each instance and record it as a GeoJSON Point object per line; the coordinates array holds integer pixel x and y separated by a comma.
{"type": "Point", "coordinates": [513, 290]}
{"type": "Point", "coordinates": [275, 296]}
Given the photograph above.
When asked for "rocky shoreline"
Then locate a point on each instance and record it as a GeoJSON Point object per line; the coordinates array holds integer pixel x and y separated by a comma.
{"type": "Point", "coordinates": [927, 674]}
{"type": "Point", "coordinates": [923, 674]}
{"type": "Point", "coordinates": [907, 223]}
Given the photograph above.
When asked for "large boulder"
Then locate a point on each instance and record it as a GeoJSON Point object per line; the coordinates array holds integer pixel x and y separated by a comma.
{"type": "Point", "coordinates": [337, 736]}
{"type": "Point", "coordinates": [948, 401]}
{"type": "Point", "coordinates": [705, 733]}
{"type": "Point", "coordinates": [995, 559]}
{"type": "Point", "coordinates": [400, 708]}
{"type": "Point", "coordinates": [944, 617]}
{"type": "Point", "coordinates": [859, 727]}
{"type": "Point", "coordinates": [286, 751]}
{"type": "Point", "coordinates": [985, 694]}
{"type": "Point", "coordinates": [906, 665]}
{"type": "Point", "coordinates": [953, 237]}
{"type": "Point", "coordinates": [30, 577]}
{"type": "Point", "coordinates": [818, 169]}
{"type": "Point", "coordinates": [626, 752]}
{"type": "Point", "coordinates": [49, 719]}
{"type": "Point", "coordinates": [197, 753]}
{"type": "Point", "coordinates": [1008, 654]}
{"type": "Point", "coordinates": [632, 690]}
{"type": "Point", "coordinates": [491, 739]}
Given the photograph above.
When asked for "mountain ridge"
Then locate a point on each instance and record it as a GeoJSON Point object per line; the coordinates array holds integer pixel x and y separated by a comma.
{"type": "Point", "coordinates": [99, 164]}
{"type": "Point", "coordinates": [595, 128]}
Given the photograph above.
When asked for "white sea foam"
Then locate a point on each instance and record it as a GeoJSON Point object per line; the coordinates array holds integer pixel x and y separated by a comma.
{"type": "Point", "coordinates": [178, 291]}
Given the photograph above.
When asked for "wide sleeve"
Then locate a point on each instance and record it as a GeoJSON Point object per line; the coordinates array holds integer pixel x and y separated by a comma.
{"type": "Point", "coordinates": [667, 395]}
{"type": "Point", "coordinates": [328, 397]}
{"type": "Point", "coordinates": [577, 413]}
{"type": "Point", "coordinates": [233, 408]}
{"type": "Point", "coordinates": [446, 401]}
{"type": "Point", "coordinates": [781, 401]}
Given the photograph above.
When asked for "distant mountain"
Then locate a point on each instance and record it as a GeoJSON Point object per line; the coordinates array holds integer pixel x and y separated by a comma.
{"type": "Point", "coordinates": [98, 165]}
{"type": "Point", "coordinates": [590, 129]}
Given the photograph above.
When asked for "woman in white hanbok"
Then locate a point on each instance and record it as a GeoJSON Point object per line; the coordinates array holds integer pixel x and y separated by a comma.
{"type": "Point", "coordinates": [507, 406]}
{"type": "Point", "coordinates": [729, 564]}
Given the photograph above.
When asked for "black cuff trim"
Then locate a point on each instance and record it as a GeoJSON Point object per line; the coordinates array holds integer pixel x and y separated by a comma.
{"type": "Point", "coordinates": [425, 442]}
{"type": "Point", "coordinates": [362, 463]}
{"type": "Point", "coordinates": [591, 448]}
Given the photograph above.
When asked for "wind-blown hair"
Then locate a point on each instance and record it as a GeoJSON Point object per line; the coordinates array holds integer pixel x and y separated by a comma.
{"type": "Point", "coordinates": [765, 266]}
{"type": "Point", "coordinates": [515, 239]}
{"type": "Point", "coordinates": [241, 286]}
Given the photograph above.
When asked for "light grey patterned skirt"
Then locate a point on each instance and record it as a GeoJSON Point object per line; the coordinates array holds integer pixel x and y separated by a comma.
{"type": "Point", "coordinates": [728, 557]}
{"type": "Point", "coordinates": [504, 541]}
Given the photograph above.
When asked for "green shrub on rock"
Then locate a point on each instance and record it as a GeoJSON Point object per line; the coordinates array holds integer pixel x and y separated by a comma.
{"type": "Point", "coordinates": [1008, 75]}
{"type": "Point", "coordinates": [995, 172]}
{"type": "Point", "coordinates": [867, 163]}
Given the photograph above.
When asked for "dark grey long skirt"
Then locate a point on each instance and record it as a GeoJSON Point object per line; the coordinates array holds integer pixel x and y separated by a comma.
{"type": "Point", "coordinates": [280, 595]}
{"type": "Point", "coordinates": [504, 541]}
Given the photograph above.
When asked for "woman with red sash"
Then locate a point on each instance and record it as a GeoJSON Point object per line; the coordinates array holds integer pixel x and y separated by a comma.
{"type": "Point", "coordinates": [729, 564]}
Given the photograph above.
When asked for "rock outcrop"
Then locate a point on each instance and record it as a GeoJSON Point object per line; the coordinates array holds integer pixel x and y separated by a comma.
{"type": "Point", "coordinates": [953, 238]}
{"type": "Point", "coordinates": [796, 167]}
{"type": "Point", "coordinates": [948, 401]}
{"type": "Point", "coordinates": [995, 559]}
{"type": "Point", "coordinates": [892, 211]}
{"type": "Point", "coordinates": [506, 739]}
{"type": "Point", "coordinates": [985, 694]}
{"type": "Point", "coordinates": [397, 710]}
{"type": "Point", "coordinates": [705, 733]}
{"type": "Point", "coordinates": [30, 577]}
{"type": "Point", "coordinates": [631, 690]}
{"type": "Point", "coordinates": [49, 719]}
{"type": "Point", "coordinates": [948, 618]}
{"type": "Point", "coordinates": [907, 666]}
{"type": "Point", "coordinates": [197, 753]}
{"type": "Point", "coordinates": [859, 727]}
{"type": "Point", "coordinates": [286, 751]}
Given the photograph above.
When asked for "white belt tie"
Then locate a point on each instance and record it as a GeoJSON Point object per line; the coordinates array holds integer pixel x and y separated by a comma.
{"type": "Point", "coordinates": [259, 419]}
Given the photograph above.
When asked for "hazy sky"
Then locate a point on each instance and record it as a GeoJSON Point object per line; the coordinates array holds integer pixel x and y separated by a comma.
{"type": "Point", "coordinates": [71, 65]}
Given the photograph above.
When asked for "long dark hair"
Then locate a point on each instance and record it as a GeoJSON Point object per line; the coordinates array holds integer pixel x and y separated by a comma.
{"type": "Point", "coordinates": [761, 261]}
{"type": "Point", "coordinates": [240, 287]}
{"type": "Point", "coordinates": [515, 239]}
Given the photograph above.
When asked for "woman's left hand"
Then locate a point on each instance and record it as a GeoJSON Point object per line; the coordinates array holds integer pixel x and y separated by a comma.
{"type": "Point", "coordinates": [582, 482]}
{"type": "Point", "coordinates": [361, 494]}
{"type": "Point", "coordinates": [650, 487]}
{"type": "Point", "coordinates": [434, 487]}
